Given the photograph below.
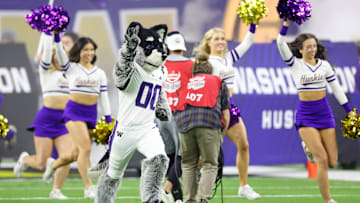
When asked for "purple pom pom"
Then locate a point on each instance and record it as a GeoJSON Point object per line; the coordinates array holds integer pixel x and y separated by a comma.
{"type": "Point", "coordinates": [294, 10]}
{"type": "Point", "coordinates": [234, 115]}
{"type": "Point", "coordinates": [48, 18]}
{"type": "Point", "coordinates": [234, 111]}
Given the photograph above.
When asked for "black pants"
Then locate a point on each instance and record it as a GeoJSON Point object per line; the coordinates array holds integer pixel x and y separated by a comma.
{"type": "Point", "coordinates": [173, 174]}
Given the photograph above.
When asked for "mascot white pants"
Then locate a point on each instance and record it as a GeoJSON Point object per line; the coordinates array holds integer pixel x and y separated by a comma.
{"type": "Point", "coordinates": [153, 168]}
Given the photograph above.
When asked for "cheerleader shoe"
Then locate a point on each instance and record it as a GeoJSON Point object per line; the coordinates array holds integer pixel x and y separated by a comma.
{"type": "Point", "coordinates": [309, 155]}
{"type": "Point", "coordinates": [56, 194]}
{"type": "Point", "coordinates": [90, 192]}
{"type": "Point", "coordinates": [20, 166]}
{"type": "Point", "coordinates": [49, 172]}
{"type": "Point", "coordinates": [248, 192]}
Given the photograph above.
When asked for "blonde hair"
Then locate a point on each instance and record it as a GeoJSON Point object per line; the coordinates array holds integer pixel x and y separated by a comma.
{"type": "Point", "coordinates": [204, 46]}
{"type": "Point", "coordinates": [201, 64]}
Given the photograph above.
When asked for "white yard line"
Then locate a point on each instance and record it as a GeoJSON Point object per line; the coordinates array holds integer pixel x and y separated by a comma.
{"type": "Point", "coordinates": [225, 188]}
{"type": "Point", "coordinates": [216, 197]}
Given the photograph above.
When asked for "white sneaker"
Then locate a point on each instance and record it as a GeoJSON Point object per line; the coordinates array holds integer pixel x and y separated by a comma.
{"type": "Point", "coordinates": [20, 166]}
{"type": "Point", "coordinates": [332, 201]}
{"type": "Point", "coordinates": [56, 194]}
{"type": "Point", "coordinates": [309, 156]}
{"type": "Point", "coordinates": [49, 172]}
{"type": "Point", "coordinates": [90, 193]}
{"type": "Point", "coordinates": [248, 192]}
{"type": "Point", "coordinates": [95, 171]}
{"type": "Point", "coordinates": [166, 198]}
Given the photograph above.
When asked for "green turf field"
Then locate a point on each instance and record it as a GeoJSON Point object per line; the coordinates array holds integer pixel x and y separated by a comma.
{"type": "Point", "coordinates": [273, 190]}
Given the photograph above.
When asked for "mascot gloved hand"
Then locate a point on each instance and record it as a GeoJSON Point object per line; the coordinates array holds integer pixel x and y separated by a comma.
{"type": "Point", "coordinates": [131, 38]}
{"type": "Point", "coordinates": [162, 108]}
{"type": "Point", "coordinates": [124, 67]}
{"type": "Point", "coordinates": [162, 113]}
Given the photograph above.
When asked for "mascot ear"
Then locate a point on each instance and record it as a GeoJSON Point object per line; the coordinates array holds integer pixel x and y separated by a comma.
{"type": "Point", "coordinates": [161, 29]}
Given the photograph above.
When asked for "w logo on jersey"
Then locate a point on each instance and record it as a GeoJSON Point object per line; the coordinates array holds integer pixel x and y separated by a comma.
{"type": "Point", "coordinates": [119, 134]}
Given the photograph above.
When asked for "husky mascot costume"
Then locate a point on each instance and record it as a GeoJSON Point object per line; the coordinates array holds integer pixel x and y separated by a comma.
{"type": "Point", "coordinates": [138, 74]}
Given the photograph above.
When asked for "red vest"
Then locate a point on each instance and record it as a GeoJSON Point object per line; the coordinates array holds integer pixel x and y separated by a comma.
{"type": "Point", "coordinates": [201, 90]}
{"type": "Point", "coordinates": [179, 73]}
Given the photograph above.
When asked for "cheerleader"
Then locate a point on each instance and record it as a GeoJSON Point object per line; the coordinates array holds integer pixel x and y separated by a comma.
{"type": "Point", "coordinates": [311, 71]}
{"type": "Point", "coordinates": [88, 86]}
{"type": "Point", "coordinates": [222, 62]}
{"type": "Point", "coordinates": [48, 126]}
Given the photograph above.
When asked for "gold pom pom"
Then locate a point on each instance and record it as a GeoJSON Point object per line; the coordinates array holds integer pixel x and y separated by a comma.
{"type": "Point", "coordinates": [4, 126]}
{"type": "Point", "coordinates": [102, 131]}
{"type": "Point", "coordinates": [251, 11]}
{"type": "Point", "coordinates": [351, 126]}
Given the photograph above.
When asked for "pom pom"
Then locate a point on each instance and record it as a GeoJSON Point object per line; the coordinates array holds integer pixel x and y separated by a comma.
{"type": "Point", "coordinates": [4, 126]}
{"type": "Point", "coordinates": [48, 18]}
{"type": "Point", "coordinates": [102, 131]}
{"type": "Point", "coordinates": [294, 10]}
{"type": "Point", "coordinates": [234, 112]}
{"type": "Point", "coordinates": [251, 11]}
{"type": "Point", "coordinates": [351, 126]}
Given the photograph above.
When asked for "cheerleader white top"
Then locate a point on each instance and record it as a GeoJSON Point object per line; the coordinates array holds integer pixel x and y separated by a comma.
{"type": "Point", "coordinates": [223, 67]}
{"type": "Point", "coordinates": [52, 82]}
{"type": "Point", "coordinates": [84, 81]}
{"type": "Point", "coordinates": [308, 77]}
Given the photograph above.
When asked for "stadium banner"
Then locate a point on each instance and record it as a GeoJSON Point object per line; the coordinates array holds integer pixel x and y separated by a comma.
{"type": "Point", "coordinates": [20, 91]}
{"type": "Point", "coordinates": [266, 96]}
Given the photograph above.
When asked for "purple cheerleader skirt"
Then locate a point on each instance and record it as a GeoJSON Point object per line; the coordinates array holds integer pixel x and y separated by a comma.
{"type": "Point", "coordinates": [316, 114]}
{"type": "Point", "coordinates": [49, 123]}
{"type": "Point", "coordinates": [80, 112]}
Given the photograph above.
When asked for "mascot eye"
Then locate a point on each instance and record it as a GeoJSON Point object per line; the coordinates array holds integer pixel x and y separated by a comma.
{"type": "Point", "coordinates": [149, 46]}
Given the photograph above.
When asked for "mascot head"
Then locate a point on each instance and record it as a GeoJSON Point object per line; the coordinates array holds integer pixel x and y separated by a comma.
{"type": "Point", "coordinates": [151, 51]}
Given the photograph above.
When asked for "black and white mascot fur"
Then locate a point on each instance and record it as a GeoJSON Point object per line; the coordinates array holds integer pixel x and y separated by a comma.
{"type": "Point", "coordinates": [143, 48]}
